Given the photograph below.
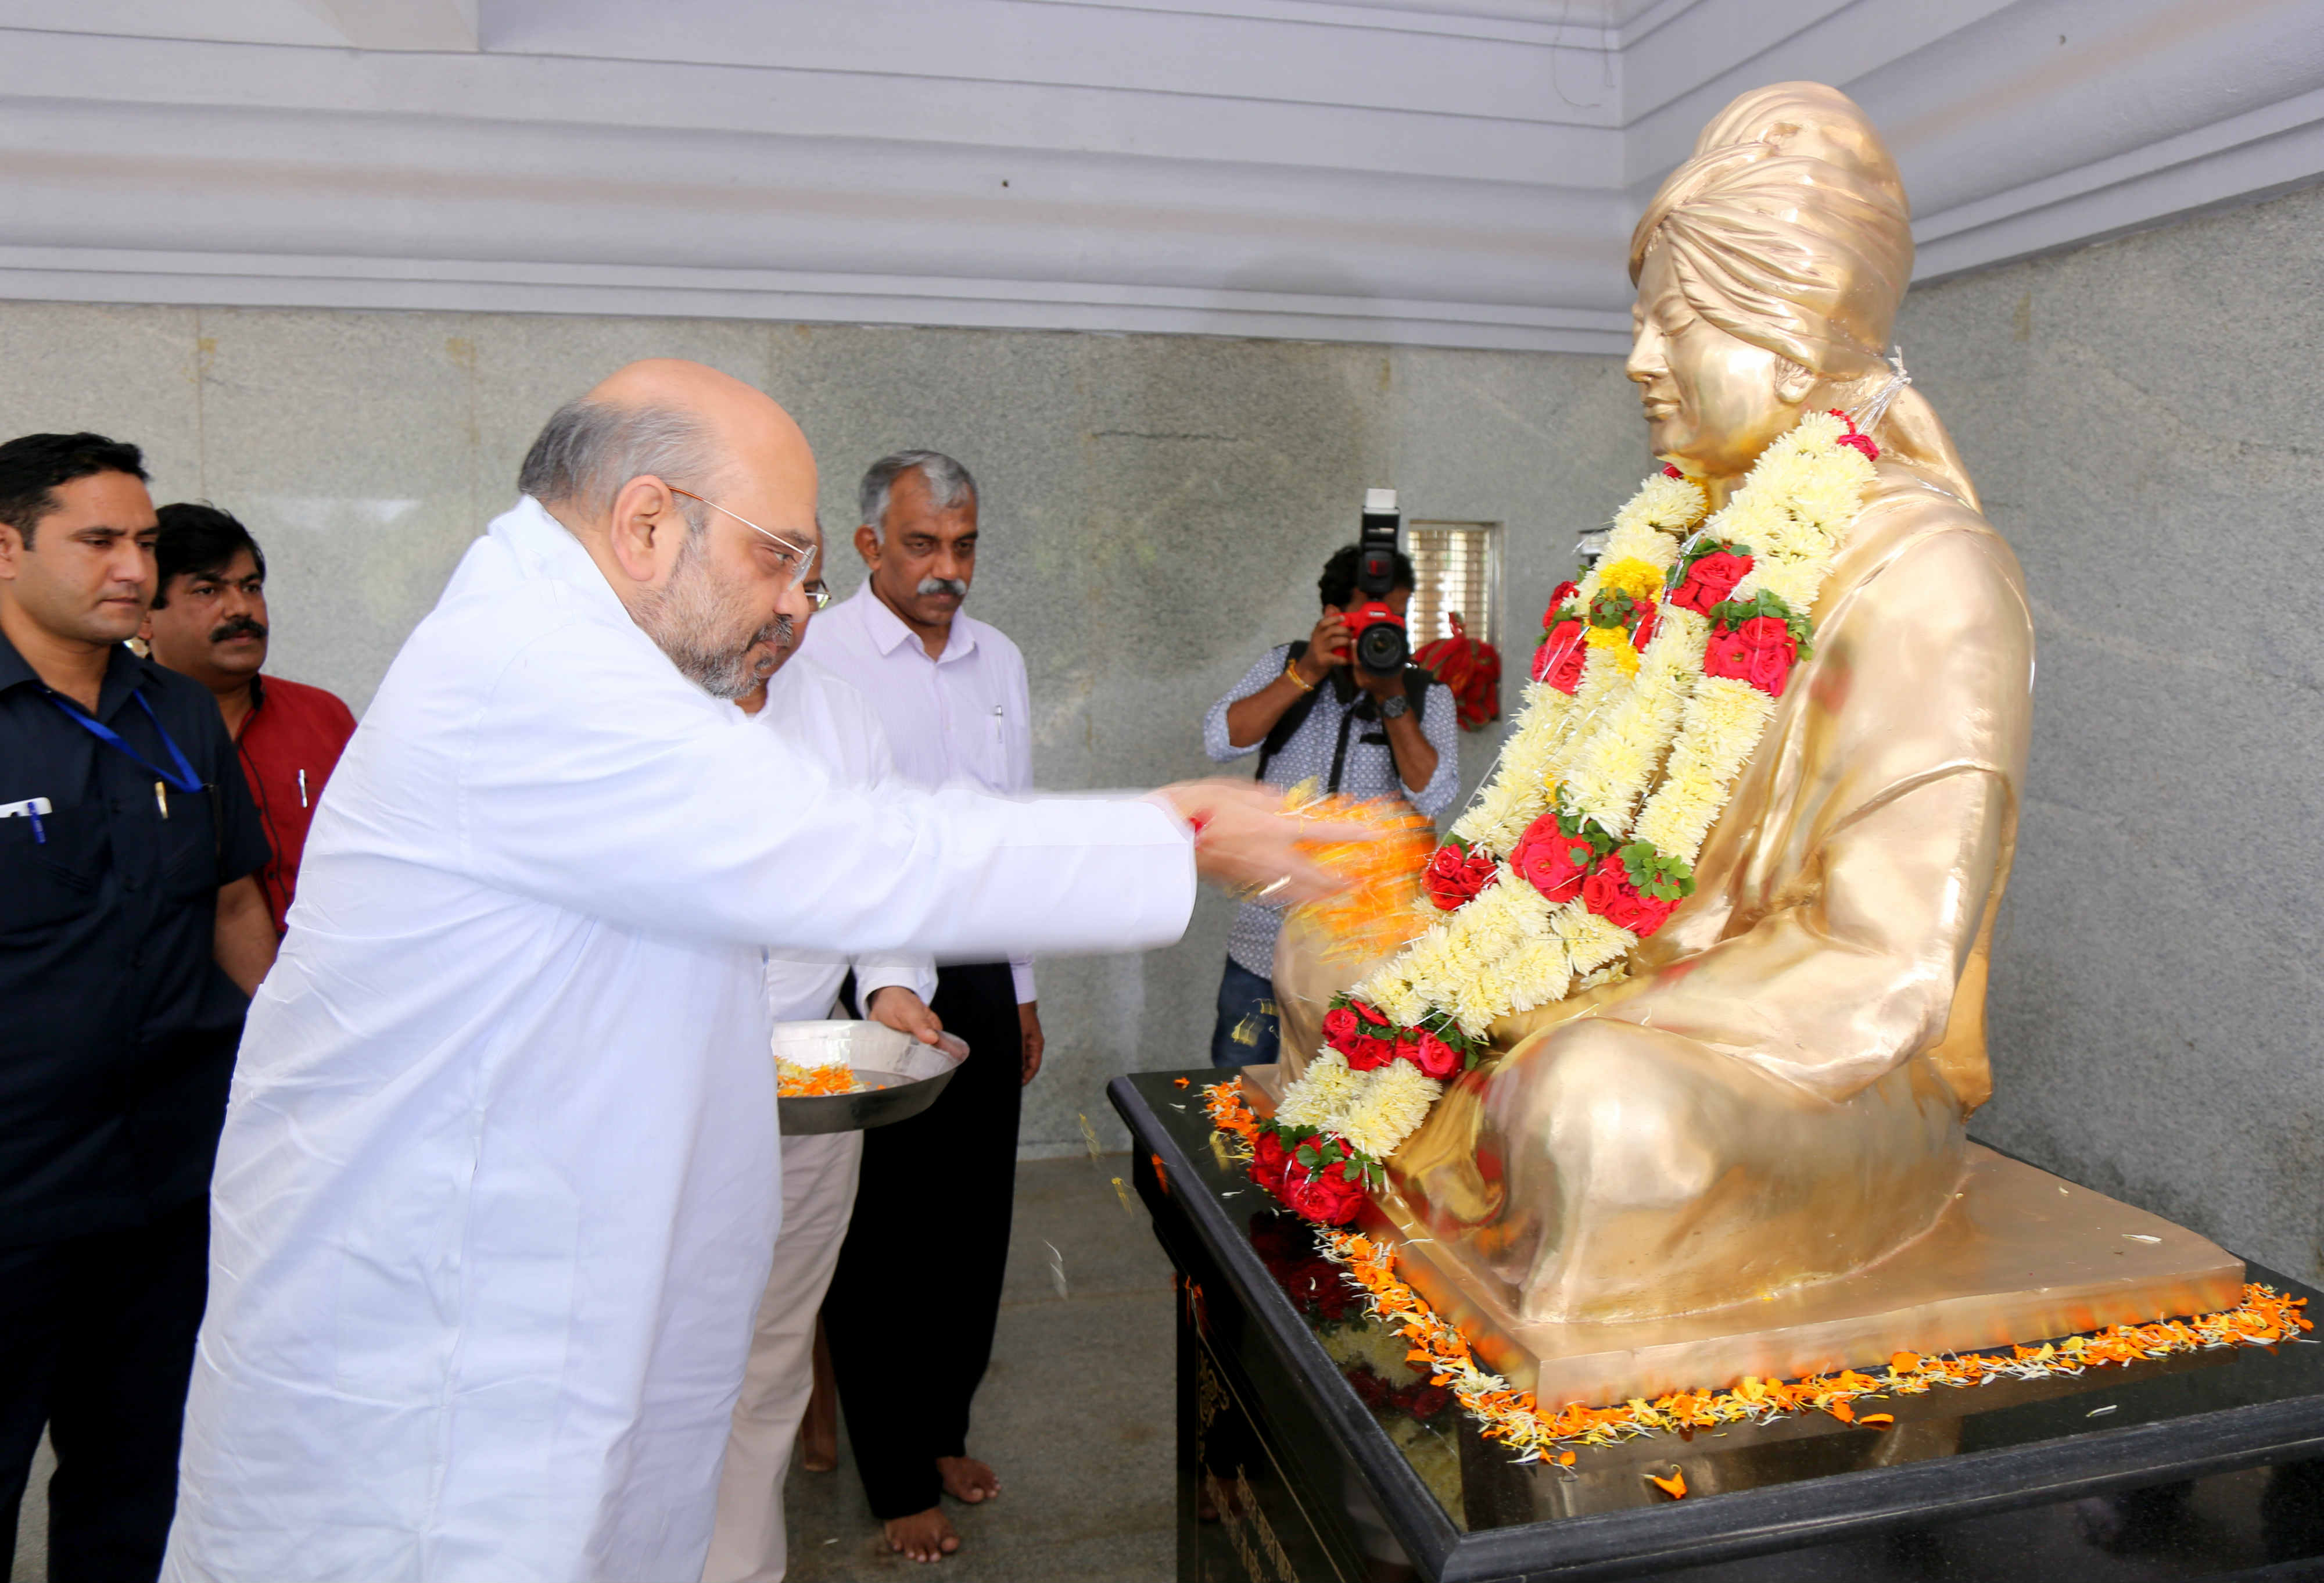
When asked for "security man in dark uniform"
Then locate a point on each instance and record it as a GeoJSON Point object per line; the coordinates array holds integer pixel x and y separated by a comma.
{"type": "Point", "coordinates": [131, 937]}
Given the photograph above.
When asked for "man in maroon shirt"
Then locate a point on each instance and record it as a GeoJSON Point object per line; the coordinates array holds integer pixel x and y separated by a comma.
{"type": "Point", "coordinates": [208, 622]}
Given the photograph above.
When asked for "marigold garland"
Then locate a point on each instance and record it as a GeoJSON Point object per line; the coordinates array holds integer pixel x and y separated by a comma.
{"type": "Point", "coordinates": [1513, 1417]}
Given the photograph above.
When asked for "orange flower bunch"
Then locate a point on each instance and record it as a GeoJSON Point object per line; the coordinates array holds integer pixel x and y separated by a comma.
{"type": "Point", "coordinates": [1229, 1114]}
{"type": "Point", "coordinates": [1378, 912]}
{"type": "Point", "coordinates": [819, 1082]}
{"type": "Point", "coordinates": [2266, 1317]}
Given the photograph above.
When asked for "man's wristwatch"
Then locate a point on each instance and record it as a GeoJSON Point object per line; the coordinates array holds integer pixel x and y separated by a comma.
{"type": "Point", "coordinates": [1395, 706]}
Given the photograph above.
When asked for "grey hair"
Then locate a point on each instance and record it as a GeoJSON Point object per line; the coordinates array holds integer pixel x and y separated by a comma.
{"type": "Point", "coordinates": [948, 484]}
{"type": "Point", "coordinates": [588, 449]}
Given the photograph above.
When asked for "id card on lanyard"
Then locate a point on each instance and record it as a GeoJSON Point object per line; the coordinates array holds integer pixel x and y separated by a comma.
{"type": "Point", "coordinates": [183, 779]}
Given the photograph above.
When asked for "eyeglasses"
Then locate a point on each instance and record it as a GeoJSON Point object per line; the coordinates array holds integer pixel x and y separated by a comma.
{"type": "Point", "coordinates": [803, 558]}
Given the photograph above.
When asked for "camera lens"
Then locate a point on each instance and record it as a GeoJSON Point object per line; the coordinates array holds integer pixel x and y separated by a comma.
{"type": "Point", "coordinates": [1382, 647]}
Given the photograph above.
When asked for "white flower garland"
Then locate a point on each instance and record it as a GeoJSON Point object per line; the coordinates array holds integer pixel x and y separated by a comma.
{"type": "Point", "coordinates": [1646, 749]}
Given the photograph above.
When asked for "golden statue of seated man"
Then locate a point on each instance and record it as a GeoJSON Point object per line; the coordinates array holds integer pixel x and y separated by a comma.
{"type": "Point", "coordinates": [1776, 1092]}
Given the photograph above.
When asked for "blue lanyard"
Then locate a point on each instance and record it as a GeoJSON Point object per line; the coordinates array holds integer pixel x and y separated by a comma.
{"type": "Point", "coordinates": [185, 780]}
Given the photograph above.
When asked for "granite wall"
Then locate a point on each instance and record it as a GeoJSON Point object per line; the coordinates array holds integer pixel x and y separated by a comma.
{"type": "Point", "coordinates": [1156, 509]}
{"type": "Point", "coordinates": [2145, 420]}
{"type": "Point", "coordinates": [2143, 417]}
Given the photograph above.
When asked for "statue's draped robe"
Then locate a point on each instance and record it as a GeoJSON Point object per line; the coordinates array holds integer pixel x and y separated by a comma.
{"type": "Point", "coordinates": [1777, 1094]}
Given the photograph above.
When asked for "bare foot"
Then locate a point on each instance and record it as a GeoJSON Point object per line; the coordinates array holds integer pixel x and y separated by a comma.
{"type": "Point", "coordinates": [967, 1479]}
{"type": "Point", "coordinates": [925, 1536]}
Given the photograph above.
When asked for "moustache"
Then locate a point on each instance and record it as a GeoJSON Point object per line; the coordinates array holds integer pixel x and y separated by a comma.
{"type": "Point", "coordinates": [240, 626]}
{"type": "Point", "coordinates": [957, 586]}
{"type": "Point", "coordinates": [777, 635]}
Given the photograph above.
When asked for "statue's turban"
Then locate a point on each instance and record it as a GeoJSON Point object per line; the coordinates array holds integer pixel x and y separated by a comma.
{"type": "Point", "coordinates": [1788, 229]}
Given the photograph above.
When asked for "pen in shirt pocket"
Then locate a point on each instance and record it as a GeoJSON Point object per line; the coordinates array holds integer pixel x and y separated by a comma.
{"type": "Point", "coordinates": [303, 788]}
{"type": "Point", "coordinates": [31, 808]}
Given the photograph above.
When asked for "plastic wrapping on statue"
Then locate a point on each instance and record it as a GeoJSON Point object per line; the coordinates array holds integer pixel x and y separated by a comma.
{"type": "Point", "coordinates": [1311, 967]}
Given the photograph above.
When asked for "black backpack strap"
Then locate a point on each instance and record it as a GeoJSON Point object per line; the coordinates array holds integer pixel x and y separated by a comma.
{"type": "Point", "coordinates": [1287, 724]}
{"type": "Point", "coordinates": [1417, 679]}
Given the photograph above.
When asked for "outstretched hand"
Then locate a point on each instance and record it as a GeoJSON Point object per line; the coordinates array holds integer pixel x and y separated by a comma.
{"type": "Point", "coordinates": [1244, 841]}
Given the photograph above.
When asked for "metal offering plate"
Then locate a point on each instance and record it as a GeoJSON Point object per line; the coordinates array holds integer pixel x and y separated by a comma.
{"type": "Point", "coordinates": [901, 1075]}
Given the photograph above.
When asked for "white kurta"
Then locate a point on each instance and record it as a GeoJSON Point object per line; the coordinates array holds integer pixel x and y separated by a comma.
{"type": "Point", "coordinates": [498, 1182]}
{"type": "Point", "coordinates": [817, 713]}
{"type": "Point", "coordinates": [825, 717]}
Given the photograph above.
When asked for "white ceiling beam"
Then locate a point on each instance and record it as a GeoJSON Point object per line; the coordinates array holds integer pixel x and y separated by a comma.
{"type": "Point", "coordinates": [1388, 171]}
{"type": "Point", "coordinates": [434, 25]}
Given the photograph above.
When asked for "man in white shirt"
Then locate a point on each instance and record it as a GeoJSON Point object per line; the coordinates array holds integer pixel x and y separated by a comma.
{"type": "Point", "coordinates": [820, 715]}
{"type": "Point", "coordinates": [950, 691]}
{"type": "Point", "coordinates": [499, 1182]}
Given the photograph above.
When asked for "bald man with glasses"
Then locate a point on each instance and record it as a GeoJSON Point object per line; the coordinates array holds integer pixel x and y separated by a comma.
{"type": "Point", "coordinates": [500, 1180]}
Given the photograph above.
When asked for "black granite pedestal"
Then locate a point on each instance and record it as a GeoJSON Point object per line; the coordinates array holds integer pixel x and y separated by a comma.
{"type": "Point", "coordinates": [1310, 1450]}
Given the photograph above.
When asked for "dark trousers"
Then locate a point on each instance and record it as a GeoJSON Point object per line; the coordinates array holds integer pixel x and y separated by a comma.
{"type": "Point", "coordinates": [96, 1342]}
{"type": "Point", "coordinates": [1248, 1033]}
{"type": "Point", "coordinates": [911, 1309]}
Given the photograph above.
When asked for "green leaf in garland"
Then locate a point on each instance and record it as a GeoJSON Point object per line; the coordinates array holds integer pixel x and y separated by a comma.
{"type": "Point", "coordinates": [1571, 822]}
{"type": "Point", "coordinates": [1611, 607]}
{"type": "Point", "coordinates": [1654, 873]}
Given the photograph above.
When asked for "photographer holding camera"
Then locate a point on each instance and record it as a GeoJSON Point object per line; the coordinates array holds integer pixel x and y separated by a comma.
{"type": "Point", "coordinates": [1313, 711]}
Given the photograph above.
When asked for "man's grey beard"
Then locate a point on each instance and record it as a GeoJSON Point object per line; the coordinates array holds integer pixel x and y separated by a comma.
{"type": "Point", "coordinates": [957, 586]}
{"type": "Point", "coordinates": [690, 619]}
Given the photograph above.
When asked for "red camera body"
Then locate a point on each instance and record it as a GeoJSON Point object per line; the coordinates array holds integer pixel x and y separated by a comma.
{"type": "Point", "coordinates": [1376, 639]}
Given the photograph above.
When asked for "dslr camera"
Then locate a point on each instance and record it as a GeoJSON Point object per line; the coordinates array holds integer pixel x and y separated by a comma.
{"type": "Point", "coordinates": [1377, 637]}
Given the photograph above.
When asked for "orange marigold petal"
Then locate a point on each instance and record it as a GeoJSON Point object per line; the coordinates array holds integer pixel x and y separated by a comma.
{"type": "Point", "coordinates": [1674, 1486]}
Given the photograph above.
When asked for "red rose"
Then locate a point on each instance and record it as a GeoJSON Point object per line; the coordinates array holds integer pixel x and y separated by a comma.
{"type": "Point", "coordinates": [1454, 875]}
{"type": "Point", "coordinates": [1558, 661]}
{"type": "Point", "coordinates": [1609, 893]}
{"type": "Point", "coordinates": [1326, 1197]}
{"type": "Point", "coordinates": [1271, 1160]}
{"type": "Point", "coordinates": [1553, 861]}
{"type": "Point", "coordinates": [1710, 579]}
{"type": "Point", "coordinates": [1339, 1026]}
{"type": "Point", "coordinates": [1372, 1015]}
{"type": "Point", "coordinates": [1434, 1057]}
{"type": "Point", "coordinates": [1365, 1052]}
{"type": "Point", "coordinates": [1761, 652]}
{"type": "Point", "coordinates": [1557, 596]}
{"type": "Point", "coordinates": [1643, 633]}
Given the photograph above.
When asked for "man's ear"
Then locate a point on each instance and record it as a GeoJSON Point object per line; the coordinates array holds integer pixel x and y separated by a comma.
{"type": "Point", "coordinates": [638, 530]}
{"type": "Point", "coordinates": [868, 546]}
{"type": "Point", "coordinates": [11, 547]}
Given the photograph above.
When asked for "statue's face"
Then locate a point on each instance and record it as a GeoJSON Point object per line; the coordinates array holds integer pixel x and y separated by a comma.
{"type": "Point", "coordinates": [1713, 403]}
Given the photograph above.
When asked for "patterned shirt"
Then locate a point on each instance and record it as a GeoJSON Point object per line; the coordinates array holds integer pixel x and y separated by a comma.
{"type": "Point", "coordinates": [1367, 771]}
